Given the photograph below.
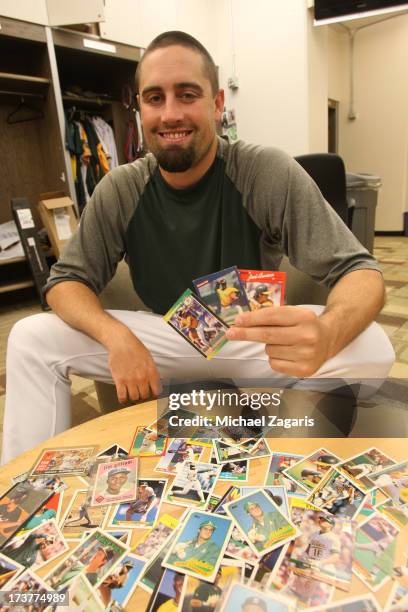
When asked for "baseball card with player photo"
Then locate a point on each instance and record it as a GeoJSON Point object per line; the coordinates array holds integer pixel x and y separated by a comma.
{"type": "Point", "coordinates": [233, 470]}
{"type": "Point", "coordinates": [23, 500]}
{"type": "Point", "coordinates": [338, 495]}
{"type": "Point", "coordinates": [157, 537]}
{"type": "Point", "coordinates": [200, 595]}
{"type": "Point", "coordinates": [261, 522]}
{"type": "Point", "coordinates": [80, 517]}
{"type": "Point", "coordinates": [8, 570]}
{"type": "Point", "coordinates": [59, 461]}
{"type": "Point", "coordinates": [275, 476]}
{"type": "Point", "coordinates": [224, 453]}
{"type": "Point", "coordinates": [50, 510]}
{"type": "Point", "coordinates": [199, 546]}
{"type": "Point", "coordinates": [145, 508]}
{"type": "Point", "coordinates": [393, 482]}
{"type": "Point", "coordinates": [94, 557]}
{"type": "Point", "coordinates": [363, 603]}
{"type": "Point", "coordinates": [178, 451]}
{"type": "Point", "coordinates": [28, 582]}
{"type": "Point", "coordinates": [192, 319]}
{"type": "Point", "coordinates": [246, 598]}
{"type": "Point", "coordinates": [263, 288]}
{"type": "Point", "coordinates": [193, 484]}
{"type": "Point", "coordinates": [223, 293]}
{"type": "Point", "coordinates": [153, 571]}
{"type": "Point", "coordinates": [122, 535]}
{"type": "Point", "coordinates": [35, 549]}
{"type": "Point", "coordinates": [277, 494]}
{"type": "Point", "coordinates": [397, 599]}
{"type": "Point", "coordinates": [168, 591]}
{"type": "Point", "coordinates": [310, 470]}
{"type": "Point", "coordinates": [304, 591]}
{"type": "Point", "coordinates": [115, 482]}
{"type": "Point", "coordinates": [119, 585]}
{"type": "Point", "coordinates": [324, 548]}
{"type": "Point", "coordinates": [147, 443]}
{"type": "Point", "coordinates": [375, 550]}
{"type": "Point", "coordinates": [397, 514]}
{"type": "Point", "coordinates": [360, 467]}
{"type": "Point", "coordinates": [82, 596]}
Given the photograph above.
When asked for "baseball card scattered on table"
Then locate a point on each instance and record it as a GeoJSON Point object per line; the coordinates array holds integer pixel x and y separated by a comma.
{"type": "Point", "coordinates": [193, 484]}
{"type": "Point", "coordinates": [119, 585]}
{"type": "Point", "coordinates": [338, 495]}
{"type": "Point", "coordinates": [309, 471]}
{"type": "Point", "coordinates": [263, 288]}
{"type": "Point", "coordinates": [115, 482]}
{"type": "Point", "coordinates": [178, 451]}
{"type": "Point", "coordinates": [80, 516]}
{"type": "Point", "coordinates": [374, 551]}
{"type": "Point", "coordinates": [20, 502]}
{"type": "Point", "coordinates": [363, 465]}
{"type": "Point", "coordinates": [198, 325]}
{"type": "Point", "coordinates": [240, 596]}
{"type": "Point", "coordinates": [167, 594]}
{"type": "Point", "coordinates": [35, 549]}
{"type": "Point", "coordinates": [157, 537]}
{"type": "Point", "coordinates": [260, 521]}
{"type": "Point", "coordinates": [223, 293]}
{"type": "Point", "coordinates": [147, 443]}
{"type": "Point", "coordinates": [144, 509]}
{"type": "Point", "coordinates": [393, 481]}
{"type": "Point", "coordinates": [199, 547]}
{"type": "Point", "coordinates": [200, 595]}
{"type": "Point", "coordinates": [95, 557]}
{"type": "Point", "coordinates": [275, 476]}
{"type": "Point", "coordinates": [60, 461]}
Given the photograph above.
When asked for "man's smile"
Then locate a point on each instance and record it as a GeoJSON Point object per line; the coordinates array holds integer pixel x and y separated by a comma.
{"type": "Point", "coordinates": [175, 135]}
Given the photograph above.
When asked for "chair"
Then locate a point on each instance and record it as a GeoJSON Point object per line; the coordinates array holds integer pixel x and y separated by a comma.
{"type": "Point", "coordinates": [328, 172]}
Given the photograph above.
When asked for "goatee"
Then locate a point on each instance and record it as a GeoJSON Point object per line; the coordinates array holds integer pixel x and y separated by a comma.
{"type": "Point", "coordinates": [176, 159]}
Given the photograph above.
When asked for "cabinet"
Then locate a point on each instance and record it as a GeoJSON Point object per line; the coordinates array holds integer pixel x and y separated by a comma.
{"type": "Point", "coordinates": [41, 71]}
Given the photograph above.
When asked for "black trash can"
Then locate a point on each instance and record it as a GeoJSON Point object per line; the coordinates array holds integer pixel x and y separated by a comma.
{"type": "Point", "coordinates": [362, 197]}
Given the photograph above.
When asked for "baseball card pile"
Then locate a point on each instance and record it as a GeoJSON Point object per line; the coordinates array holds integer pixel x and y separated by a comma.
{"type": "Point", "coordinates": [292, 544]}
{"type": "Point", "coordinates": [202, 319]}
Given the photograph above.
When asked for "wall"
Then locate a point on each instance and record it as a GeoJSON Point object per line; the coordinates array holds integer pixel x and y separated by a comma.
{"type": "Point", "coordinates": [377, 140]}
{"type": "Point", "coordinates": [270, 45]}
{"type": "Point", "coordinates": [318, 68]}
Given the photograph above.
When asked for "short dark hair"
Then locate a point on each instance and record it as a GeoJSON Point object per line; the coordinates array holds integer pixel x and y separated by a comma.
{"type": "Point", "coordinates": [176, 37]}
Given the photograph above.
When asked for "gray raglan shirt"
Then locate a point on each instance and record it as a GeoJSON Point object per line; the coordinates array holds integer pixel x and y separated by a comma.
{"type": "Point", "coordinates": [252, 206]}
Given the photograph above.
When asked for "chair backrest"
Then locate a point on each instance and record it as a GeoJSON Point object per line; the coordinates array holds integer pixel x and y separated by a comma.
{"type": "Point", "coordinates": [328, 172]}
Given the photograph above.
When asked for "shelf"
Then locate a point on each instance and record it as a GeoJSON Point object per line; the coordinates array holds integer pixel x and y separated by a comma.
{"type": "Point", "coordinates": [85, 102]}
{"type": "Point", "coordinates": [18, 82]}
{"type": "Point", "coordinates": [13, 260]}
{"type": "Point", "coordinates": [16, 286]}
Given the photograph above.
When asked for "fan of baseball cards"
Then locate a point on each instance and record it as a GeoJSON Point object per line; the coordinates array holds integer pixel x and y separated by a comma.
{"type": "Point", "coordinates": [178, 519]}
{"type": "Point", "coordinates": [203, 319]}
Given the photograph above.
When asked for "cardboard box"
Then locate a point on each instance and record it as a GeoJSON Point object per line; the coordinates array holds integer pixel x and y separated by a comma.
{"type": "Point", "coordinates": [58, 215]}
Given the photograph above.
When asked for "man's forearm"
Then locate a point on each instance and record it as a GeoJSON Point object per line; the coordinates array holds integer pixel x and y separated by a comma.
{"type": "Point", "coordinates": [353, 303]}
{"type": "Point", "coordinates": [78, 306]}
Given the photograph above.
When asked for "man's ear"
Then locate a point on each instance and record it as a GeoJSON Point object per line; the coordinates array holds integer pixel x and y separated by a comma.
{"type": "Point", "coordinates": [219, 104]}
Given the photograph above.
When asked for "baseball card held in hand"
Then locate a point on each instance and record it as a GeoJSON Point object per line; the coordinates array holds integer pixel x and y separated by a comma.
{"type": "Point", "coordinates": [263, 288]}
{"type": "Point", "coordinates": [223, 293]}
{"type": "Point", "coordinates": [197, 324]}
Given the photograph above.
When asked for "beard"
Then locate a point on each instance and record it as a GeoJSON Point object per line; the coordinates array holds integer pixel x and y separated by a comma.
{"type": "Point", "coordinates": [175, 158]}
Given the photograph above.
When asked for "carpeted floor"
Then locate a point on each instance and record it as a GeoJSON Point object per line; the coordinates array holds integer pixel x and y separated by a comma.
{"type": "Point", "coordinates": [392, 253]}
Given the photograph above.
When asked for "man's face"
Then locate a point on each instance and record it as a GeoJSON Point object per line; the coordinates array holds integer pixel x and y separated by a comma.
{"type": "Point", "coordinates": [116, 481]}
{"type": "Point", "coordinates": [255, 511]}
{"type": "Point", "coordinates": [206, 533]}
{"type": "Point", "coordinates": [325, 526]}
{"type": "Point", "coordinates": [178, 107]}
{"type": "Point", "coordinates": [98, 560]}
{"type": "Point", "coordinates": [178, 584]}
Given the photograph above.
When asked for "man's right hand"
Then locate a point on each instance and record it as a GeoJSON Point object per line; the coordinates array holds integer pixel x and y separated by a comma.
{"type": "Point", "coordinates": [133, 370]}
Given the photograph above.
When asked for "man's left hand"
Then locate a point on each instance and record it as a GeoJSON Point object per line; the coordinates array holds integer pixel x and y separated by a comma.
{"type": "Point", "coordinates": [297, 340]}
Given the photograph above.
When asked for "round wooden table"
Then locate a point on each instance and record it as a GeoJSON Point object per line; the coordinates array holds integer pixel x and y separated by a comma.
{"type": "Point", "coordinates": [120, 426]}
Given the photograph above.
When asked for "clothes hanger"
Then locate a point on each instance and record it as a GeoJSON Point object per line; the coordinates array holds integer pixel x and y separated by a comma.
{"type": "Point", "coordinates": [34, 113]}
